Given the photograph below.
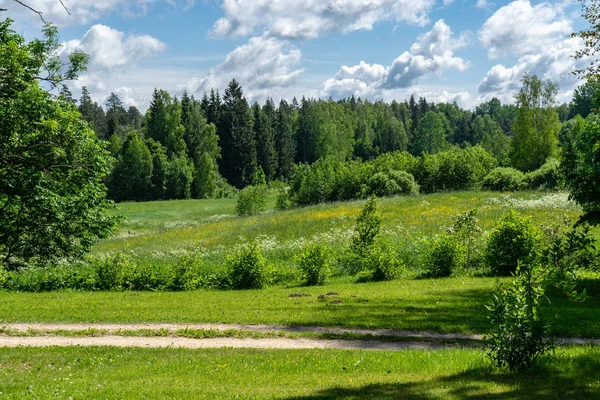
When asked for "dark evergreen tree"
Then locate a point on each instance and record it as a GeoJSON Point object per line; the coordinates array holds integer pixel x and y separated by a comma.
{"type": "Point", "coordinates": [156, 118]}
{"type": "Point", "coordinates": [213, 114]}
{"type": "Point", "coordinates": [265, 143]}
{"type": "Point", "coordinates": [238, 162]}
{"type": "Point", "coordinates": [116, 116]}
{"type": "Point", "coordinates": [134, 118]}
{"type": "Point", "coordinates": [306, 132]}
{"type": "Point", "coordinates": [66, 95]}
{"type": "Point", "coordinates": [284, 141]}
{"type": "Point", "coordinates": [160, 166]}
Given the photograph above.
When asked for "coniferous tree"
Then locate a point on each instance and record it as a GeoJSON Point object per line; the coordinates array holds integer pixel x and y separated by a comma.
{"type": "Point", "coordinates": [213, 114]}
{"type": "Point", "coordinates": [160, 166]}
{"type": "Point", "coordinates": [238, 162]}
{"type": "Point", "coordinates": [156, 118]}
{"type": "Point", "coordinates": [116, 116]}
{"type": "Point", "coordinates": [134, 118]}
{"type": "Point", "coordinates": [284, 141]}
{"type": "Point", "coordinates": [265, 143]}
{"type": "Point", "coordinates": [86, 106]}
{"type": "Point", "coordinates": [66, 94]}
{"type": "Point", "coordinates": [306, 132]}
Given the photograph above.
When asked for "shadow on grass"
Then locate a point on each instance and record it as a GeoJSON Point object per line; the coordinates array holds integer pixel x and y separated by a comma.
{"type": "Point", "coordinates": [559, 378]}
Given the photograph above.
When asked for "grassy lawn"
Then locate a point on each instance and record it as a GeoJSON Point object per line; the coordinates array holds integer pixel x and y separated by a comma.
{"type": "Point", "coordinates": [117, 373]}
{"type": "Point", "coordinates": [444, 305]}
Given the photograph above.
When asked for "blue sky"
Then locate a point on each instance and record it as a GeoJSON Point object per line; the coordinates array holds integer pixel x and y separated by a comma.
{"type": "Point", "coordinates": [446, 50]}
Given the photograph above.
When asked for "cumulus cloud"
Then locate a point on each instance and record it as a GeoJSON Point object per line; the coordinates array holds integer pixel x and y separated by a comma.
{"type": "Point", "coordinates": [538, 37]}
{"type": "Point", "coordinates": [82, 11]}
{"type": "Point", "coordinates": [259, 65]}
{"type": "Point", "coordinates": [111, 52]}
{"type": "Point", "coordinates": [432, 53]}
{"type": "Point", "coordinates": [109, 48]}
{"type": "Point", "coordinates": [293, 19]}
{"type": "Point", "coordinates": [520, 28]}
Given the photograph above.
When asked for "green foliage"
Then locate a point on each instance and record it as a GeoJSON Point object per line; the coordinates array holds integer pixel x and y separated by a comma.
{"type": "Point", "coordinates": [367, 229]}
{"type": "Point", "coordinates": [52, 197]}
{"type": "Point", "coordinates": [443, 257]}
{"type": "Point", "coordinates": [393, 183]}
{"type": "Point", "coordinates": [110, 270]}
{"type": "Point", "coordinates": [251, 200]}
{"type": "Point", "coordinates": [519, 332]}
{"type": "Point", "coordinates": [179, 178]}
{"type": "Point", "coordinates": [513, 241]}
{"type": "Point", "coordinates": [492, 138]}
{"type": "Point", "coordinates": [548, 177]}
{"type": "Point", "coordinates": [385, 264]}
{"type": "Point", "coordinates": [503, 179]}
{"type": "Point", "coordinates": [247, 268]}
{"type": "Point", "coordinates": [537, 125]}
{"type": "Point", "coordinates": [132, 176]}
{"type": "Point", "coordinates": [467, 231]}
{"type": "Point", "coordinates": [314, 264]}
{"type": "Point", "coordinates": [580, 166]}
{"type": "Point", "coordinates": [430, 135]}
{"type": "Point", "coordinates": [283, 201]}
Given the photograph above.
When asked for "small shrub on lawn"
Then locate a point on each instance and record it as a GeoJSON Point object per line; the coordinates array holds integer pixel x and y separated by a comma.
{"type": "Point", "coordinates": [519, 332]}
{"type": "Point", "coordinates": [443, 257]}
{"type": "Point", "coordinates": [514, 240]}
{"type": "Point", "coordinates": [366, 231]}
{"type": "Point", "coordinates": [283, 199]}
{"type": "Point", "coordinates": [251, 200]}
{"type": "Point", "coordinates": [314, 264]}
{"type": "Point", "coordinates": [247, 268]}
{"type": "Point", "coordinates": [503, 180]}
{"type": "Point", "coordinates": [386, 265]}
{"type": "Point", "coordinates": [468, 232]}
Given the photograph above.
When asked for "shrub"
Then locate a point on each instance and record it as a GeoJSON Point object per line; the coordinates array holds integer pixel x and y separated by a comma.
{"type": "Point", "coordinates": [519, 334]}
{"type": "Point", "coordinates": [514, 240]}
{"type": "Point", "coordinates": [443, 257]}
{"type": "Point", "coordinates": [110, 270]}
{"type": "Point", "coordinates": [385, 265]}
{"type": "Point", "coordinates": [467, 231]}
{"type": "Point", "coordinates": [548, 176]}
{"type": "Point", "coordinates": [251, 200]}
{"type": "Point", "coordinates": [247, 268]}
{"type": "Point", "coordinates": [393, 183]}
{"type": "Point", "coordinates": [314, 264]}
{"type": "Point", "coordinates": [504, 179]}
{"type": "Point", "coordinates": [283, 199]}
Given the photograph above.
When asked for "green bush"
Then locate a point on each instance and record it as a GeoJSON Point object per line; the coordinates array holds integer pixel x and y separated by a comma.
{"type": "Point", "coordinates": [251, 200]}
{"type": "Point", "coordinates": [314, 264]}
{"type": "Point", "coordinates": [385, 265]}
{"type": "Point", "coordinates": [514, 240]}
{"type": "Point", "coordinates": [247, 268]}
{"type": "Point", "coordinates": [519, 333]}
{"type": "Point", "coordinates": [110, 270]}
{"type": "Point", "coordinates": [393, 183]}
{"type": "Point", "coordinates": [443, 256]}
{"type": "Point", "coordinates": [283, 199]}
{"type": "Point", "coordinates": [547, 177]}
{"type": "Point", "coordinates": [366, 231]}
{"type": "Point", "coordinates": [503, 180]}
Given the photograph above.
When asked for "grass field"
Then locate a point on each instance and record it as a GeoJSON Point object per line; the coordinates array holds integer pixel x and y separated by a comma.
{"type": "Point", "coordinates": [161, 232]}
{"type": "Point", "coordinates": [445, 305]}
{"type": "Point", "coordinates": [90, 373]}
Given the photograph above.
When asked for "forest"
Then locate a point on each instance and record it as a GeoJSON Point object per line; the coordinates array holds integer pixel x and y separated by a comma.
{"type": "Point", "coordinates": [190, 148]}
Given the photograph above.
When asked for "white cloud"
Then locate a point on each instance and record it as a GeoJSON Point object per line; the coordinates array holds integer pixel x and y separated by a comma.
{"type": "Point", "coordinates": [481, 4]}
{"type": "Point", "coordinates": [109, 48]}
{"type": "Point", "coordinates": [432, 53]}
{"type": "Point", "coordinates": [520, 28]}
{"type": "Point", "coordinates": [300, 19]}
{"type": "Point", "coordinates": [112, 54]}
{"type": "Point", "coordinates": [81, 11]}
{"type": "Point", "coordinates": [538, 37]}
{"type": "Point", "coordinates": [259, 65]}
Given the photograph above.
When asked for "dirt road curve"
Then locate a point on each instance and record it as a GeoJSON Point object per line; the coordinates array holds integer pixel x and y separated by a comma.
{"type": "Point", "coordinates": [174, 342]}
{"type": "Point", "coordinates": [43, 335]}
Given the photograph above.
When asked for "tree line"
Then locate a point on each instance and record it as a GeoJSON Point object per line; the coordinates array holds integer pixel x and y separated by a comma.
{"type": "Point", "coordinates": [182, 148]}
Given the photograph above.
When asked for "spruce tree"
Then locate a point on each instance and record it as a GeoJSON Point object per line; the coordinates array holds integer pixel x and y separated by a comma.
{"type": "Point", "coordinates": [130, 180]}
{"type": "Point", "coordinates": [265, 142]}
{"type": "Point", "coordinates": [284, 141]}
{"type": "Point", "coordinates": [238, 164]}
{"type": "Point", "coordinates": [116, 116]}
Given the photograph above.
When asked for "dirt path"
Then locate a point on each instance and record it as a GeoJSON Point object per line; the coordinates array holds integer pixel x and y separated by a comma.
{"type": "Point", "coordinates": [45, 335]}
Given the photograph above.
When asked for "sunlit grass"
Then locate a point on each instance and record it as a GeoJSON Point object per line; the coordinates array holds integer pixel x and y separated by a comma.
{"type": "Point", "coordinates": [118, 373]}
